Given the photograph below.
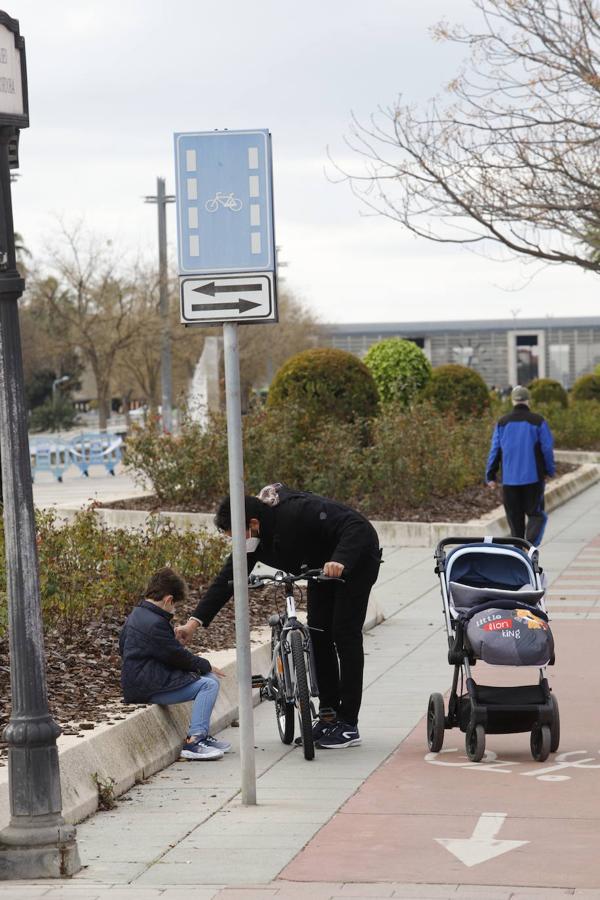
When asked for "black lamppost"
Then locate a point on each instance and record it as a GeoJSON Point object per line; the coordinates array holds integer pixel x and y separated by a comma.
{"type": "Point", "coordinates": [37, 843]}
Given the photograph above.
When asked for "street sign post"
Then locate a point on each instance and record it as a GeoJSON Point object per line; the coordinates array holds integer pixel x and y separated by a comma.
{"type": "Point", "coordinates": [37, 843]}
{"type": "Point", "coordinates": [227, 267]}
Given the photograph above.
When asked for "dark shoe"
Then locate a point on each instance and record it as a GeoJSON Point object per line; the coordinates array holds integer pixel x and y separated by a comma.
{"type": "Point", "coordinates": [322, 726]}
{"type": "Point", "coordinates": [339, 737]}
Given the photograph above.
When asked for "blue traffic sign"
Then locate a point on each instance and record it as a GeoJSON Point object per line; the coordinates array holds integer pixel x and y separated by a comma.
{"type": "Point", "coordinates": [224, 202]}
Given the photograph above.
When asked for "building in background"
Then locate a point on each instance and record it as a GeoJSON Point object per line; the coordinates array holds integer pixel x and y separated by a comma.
{"type": "Point", "coordinates": [504, 351]}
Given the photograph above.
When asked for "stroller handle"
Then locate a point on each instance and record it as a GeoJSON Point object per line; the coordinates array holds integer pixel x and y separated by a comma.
{"type": "Point", "coordinates": [511, 541]}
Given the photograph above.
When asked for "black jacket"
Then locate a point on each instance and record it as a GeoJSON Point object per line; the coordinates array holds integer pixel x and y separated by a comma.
{"type": "Point", "coordinates": [153, 658]}
{"type": "Point", "coordinates": [304, 529]}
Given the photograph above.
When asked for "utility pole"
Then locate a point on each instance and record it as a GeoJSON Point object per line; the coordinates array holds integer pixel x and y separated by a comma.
{"type": "Point", "coordinates": [161, 198]}
{"type": "Point", "coordinates": [37, 843]}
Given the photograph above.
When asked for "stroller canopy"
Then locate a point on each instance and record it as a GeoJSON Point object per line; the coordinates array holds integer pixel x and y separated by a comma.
{"type": "Point", "coordinates": [489, 566]}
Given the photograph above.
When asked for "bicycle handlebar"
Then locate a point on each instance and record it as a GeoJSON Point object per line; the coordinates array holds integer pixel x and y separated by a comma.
{"type": "Point", "coordinates": [283, 578]}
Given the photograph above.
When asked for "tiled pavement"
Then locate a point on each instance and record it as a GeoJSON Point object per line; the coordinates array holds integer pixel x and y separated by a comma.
{"type": "Point", "coordinates": [184, 832]}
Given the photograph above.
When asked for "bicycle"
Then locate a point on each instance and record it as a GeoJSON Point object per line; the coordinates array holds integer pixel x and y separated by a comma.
{"type": "Point", "coordinates": [227, 201]}
{"type": "Point", "coordinates": [291, 681]}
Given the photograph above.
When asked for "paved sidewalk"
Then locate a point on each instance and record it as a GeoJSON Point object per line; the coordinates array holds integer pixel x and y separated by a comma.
{"type": "Point", "coordinates": [77, 490]}
{"type": "Point", "coordinates": [365, 822]}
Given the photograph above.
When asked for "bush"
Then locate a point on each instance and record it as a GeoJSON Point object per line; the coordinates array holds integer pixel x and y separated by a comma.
{"type": "Point", "coordinates": [575, 428]}
{"type": "Point", "coordinates": [458, 390]}
{"type": "Point", "coordinates": [410, 457]}
{"type": "Point", "coordinates": [546, 390]}
{"type": "Point", "coordinates": [88, 570]}
{"type": "Point", "coordinates": [325, 382]}
{"type": "Point", "coordinates": [400, 369]}
{"type": "Point", "coordinates": [586, 388]}
{"type": "Point", "coordinates": [59, 415]}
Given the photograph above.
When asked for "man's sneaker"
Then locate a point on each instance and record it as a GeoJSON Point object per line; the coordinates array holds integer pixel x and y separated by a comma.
{"type": "Point", "coordinates": [225, 746]}
{"type": "Point", "coordinates": [339, 737]}
{"type": "Point", "coordinates": [199, 748]}
{"type": "Point", "coordinates": [321, 726]}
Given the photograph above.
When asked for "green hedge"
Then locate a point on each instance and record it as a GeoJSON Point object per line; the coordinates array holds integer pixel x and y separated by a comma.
{"type": "Point", "coordinates": [400, 369]}
{"type": "Point", "coordinates": [458, 390]}
{"type": "Point", "coordinates": [397, 459]}
{"type": "Point", "coordinates": [546, 390]}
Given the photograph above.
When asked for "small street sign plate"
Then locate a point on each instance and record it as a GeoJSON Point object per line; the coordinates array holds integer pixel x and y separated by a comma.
{"type": "Point", "coordinates": [240, 298]}
{"type": "Point", "coordinates": [224, 202]}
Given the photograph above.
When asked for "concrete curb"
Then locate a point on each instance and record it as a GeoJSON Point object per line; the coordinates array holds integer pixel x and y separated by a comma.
{"type": "Point", "coordinates": [147, 739]}
{"type": "Point", "coordinates": [401, 534]}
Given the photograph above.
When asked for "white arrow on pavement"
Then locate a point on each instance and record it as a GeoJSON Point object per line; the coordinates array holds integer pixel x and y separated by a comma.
{"type": "Point", "coordinates": [482, 845]}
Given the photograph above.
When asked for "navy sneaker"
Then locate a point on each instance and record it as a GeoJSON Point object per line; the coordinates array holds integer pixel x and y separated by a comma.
{"type": "Point", "coordinates": [225, 746]}
{"type": "Point", "coordinates": [323, 725]}
{"type": "Point", "coordinates": [339, 737]}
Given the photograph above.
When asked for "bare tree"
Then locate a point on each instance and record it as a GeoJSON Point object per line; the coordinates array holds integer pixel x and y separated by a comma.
{"type": "Point", "coordinates": [90, 301]}
{"type": "Point", "coordinates": [512, 159]}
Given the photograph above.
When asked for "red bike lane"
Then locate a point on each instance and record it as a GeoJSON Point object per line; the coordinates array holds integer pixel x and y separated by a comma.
{"type": "Point", "coordinates": [438, 818]}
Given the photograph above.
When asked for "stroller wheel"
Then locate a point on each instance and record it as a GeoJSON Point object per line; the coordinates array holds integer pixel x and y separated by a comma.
{"type": "Point", "coordinates": [475, 742]}
{"type": "Point", "coordinates": [435, 723]}
{"type": "Point", "coordinates": [540, 742]}
{"type": "Point", "coordinates": [555, 726]}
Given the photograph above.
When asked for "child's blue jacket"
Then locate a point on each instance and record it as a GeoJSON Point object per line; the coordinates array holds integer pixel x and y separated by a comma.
{"type": "Point", "coordinates": [153, 658]}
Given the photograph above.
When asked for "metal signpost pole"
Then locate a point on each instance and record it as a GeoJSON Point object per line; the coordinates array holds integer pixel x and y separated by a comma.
{"type": "Point", "coordinates": [37, 843]}
{"type": "Point", "coordinates": [227, 264]}
{"type": "Point", "coordinates": [240, 568]}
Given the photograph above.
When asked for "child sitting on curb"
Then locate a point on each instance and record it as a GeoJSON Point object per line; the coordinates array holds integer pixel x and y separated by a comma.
{"type": "Point", "coordinates": [157, 669]}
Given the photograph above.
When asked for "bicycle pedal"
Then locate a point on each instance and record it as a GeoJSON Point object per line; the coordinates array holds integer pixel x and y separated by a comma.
{"type": "Point", "coordinates": [259, 681]}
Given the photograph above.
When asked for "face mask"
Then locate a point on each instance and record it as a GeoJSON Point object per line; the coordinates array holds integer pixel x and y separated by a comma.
{"type": "Point", "coordinates": [252, 544]}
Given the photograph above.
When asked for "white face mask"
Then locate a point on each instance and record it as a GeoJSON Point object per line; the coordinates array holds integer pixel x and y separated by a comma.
{"type": "Point", "coordinates": [252, 544]}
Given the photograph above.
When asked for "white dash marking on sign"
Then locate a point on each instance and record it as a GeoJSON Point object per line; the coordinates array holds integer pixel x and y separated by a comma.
{"type": "Point", "coordinates": [255, 242]}
{"type": "Point", "coordinates": [193, 217]}
{"type": "Point", "coordinates": [194, 245]}
{"type": "Point", "coordinates": [254, 186]}
{"type": "Point", "coordinates": [190, 161]}
{"type": "Point", "coordinates": [253, 157]}
{"type": "Point", "coordinates": [192, 188]}
{"type": "Point", "coordinates": [254, 215]}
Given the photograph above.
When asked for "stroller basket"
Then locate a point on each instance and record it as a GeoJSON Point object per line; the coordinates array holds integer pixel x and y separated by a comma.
{"type": "Point", "coordinates": [494, 610]}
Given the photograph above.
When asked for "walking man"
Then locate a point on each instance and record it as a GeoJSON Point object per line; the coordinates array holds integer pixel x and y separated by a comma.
{"type": "Point", "coordinates": [522, 445]}
{"type": "Point", "coordinates": [287, 529]}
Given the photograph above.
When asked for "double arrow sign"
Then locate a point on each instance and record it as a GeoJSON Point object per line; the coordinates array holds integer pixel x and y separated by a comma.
{"type": "Point", "coordinates": [254, 298]}
{"type": "Point", "coordinates": [212, 289]}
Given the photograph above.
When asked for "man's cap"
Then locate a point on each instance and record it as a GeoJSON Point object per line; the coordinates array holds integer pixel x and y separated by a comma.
{"type": "Point", "coordinates": [520, 394]}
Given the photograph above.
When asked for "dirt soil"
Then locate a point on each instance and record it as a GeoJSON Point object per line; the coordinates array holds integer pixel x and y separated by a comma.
{"type": "Point", "coordinates": [84, 666]}
{"type": "Point", "coordinates": [472, 503]}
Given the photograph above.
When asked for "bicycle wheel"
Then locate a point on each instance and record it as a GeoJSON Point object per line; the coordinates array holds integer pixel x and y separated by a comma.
{"type": "Point", "coordinates": [284, 711]}
{"type": "Point", "coordinates": [302, 694]}
{"type": "Point", "coordinates": [211, 206]}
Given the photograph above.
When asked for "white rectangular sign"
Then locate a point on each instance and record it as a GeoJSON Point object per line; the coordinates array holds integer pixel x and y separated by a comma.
{"type": "Point", "coordinates": [11, 85]}
{"type": "Point", "coordinates": [240, 298]}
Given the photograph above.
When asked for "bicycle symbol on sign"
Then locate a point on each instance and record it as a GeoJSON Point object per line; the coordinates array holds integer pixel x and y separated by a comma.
{"type": "Point", "coordinates": [227, 201]}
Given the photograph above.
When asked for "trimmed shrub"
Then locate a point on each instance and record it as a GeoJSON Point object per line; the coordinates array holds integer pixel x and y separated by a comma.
{"type": "Point", "coordinates": [325, 382]}
{"type": "Point", "coordinates": [53, 415]}
{"type": "Point", "coordinates": [586, 388]}
{"type": "Point", "coordinates": [575, 428]}
{"type": "Point", "coordinates": [546, 390]}
{"type": "Point", "coordinates": [459, 390]}
{"type": "Point", "coordinates": [400, 369]}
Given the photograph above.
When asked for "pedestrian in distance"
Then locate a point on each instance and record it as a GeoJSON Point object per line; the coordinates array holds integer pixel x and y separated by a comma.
{"type": "Point", "coordinates": [522, 445]}
{"type": "Point", "coordinates": [157, 669]}
{"type": "Point", "coordinates": [289, 529]}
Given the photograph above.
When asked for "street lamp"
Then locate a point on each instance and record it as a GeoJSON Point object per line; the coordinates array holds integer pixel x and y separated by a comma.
{"type": "Point", "coordinates": [55, 384]}
{"type": "Point", "coordinates": [37, 843]}
{"type": "Point", "coordinates": [161, 198]}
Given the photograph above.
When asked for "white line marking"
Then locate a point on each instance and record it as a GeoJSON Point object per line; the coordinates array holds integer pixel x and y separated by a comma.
{"type": "Point", "coordinates": [192, 188]}
{"type": "Point", "coordinates": [190, 161]}
{"type": "Point", "coordinates": [482, 845]}
{"type": "Point", "coordinates": [255, 215]}
{"type": "Point", "coordinates": [193, 217]}
{"type": "Point", "coordinates": [253, 157]}
{"type": "Point", "coordinates": [194, 245]}
{"type": "Point", "coordinates": [254, 186]}
{"type": "Point", "coordinates": [255, 241]}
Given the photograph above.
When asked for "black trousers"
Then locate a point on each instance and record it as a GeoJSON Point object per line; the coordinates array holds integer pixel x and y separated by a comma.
{"type": "Point", "coordinates": [524, 506]}
{"type": "Point", "coordinates": [336, 615]}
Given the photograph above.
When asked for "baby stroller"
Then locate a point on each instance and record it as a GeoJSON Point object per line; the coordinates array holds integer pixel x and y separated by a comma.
{"type": "Point", "coordinates": [493, 595]}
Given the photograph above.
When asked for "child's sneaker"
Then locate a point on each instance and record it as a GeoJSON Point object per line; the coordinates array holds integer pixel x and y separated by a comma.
{"type": "Point", "coordinates": [225, 746]}
{"type": "Point", "coordinates": [199, 748]}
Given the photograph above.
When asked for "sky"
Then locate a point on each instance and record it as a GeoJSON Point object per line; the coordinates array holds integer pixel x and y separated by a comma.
{"type": "Point", "coordinates": [110, 82]}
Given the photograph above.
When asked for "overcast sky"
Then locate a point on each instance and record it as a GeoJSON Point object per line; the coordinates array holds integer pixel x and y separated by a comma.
{"type": "Point", "coordinates": [110, 82]}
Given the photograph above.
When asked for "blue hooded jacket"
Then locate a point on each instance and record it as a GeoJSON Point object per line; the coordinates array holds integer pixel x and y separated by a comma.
{"type": "Point", "coordinates": [522, 444]}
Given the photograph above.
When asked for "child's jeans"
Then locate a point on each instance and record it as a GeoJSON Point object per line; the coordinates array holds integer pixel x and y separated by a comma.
{"type": "Point", "coordinates": [203, 692]}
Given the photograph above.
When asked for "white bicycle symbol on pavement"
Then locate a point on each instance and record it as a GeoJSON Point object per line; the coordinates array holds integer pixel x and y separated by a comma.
{"type": "Point", "coordinates": [227, 201]}
{"type": "Point", "coordinates": [570, 759]}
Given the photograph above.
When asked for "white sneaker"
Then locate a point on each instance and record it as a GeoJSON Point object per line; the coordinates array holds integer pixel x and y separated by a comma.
{"type": "Point", "coordinates": [199, 748]}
